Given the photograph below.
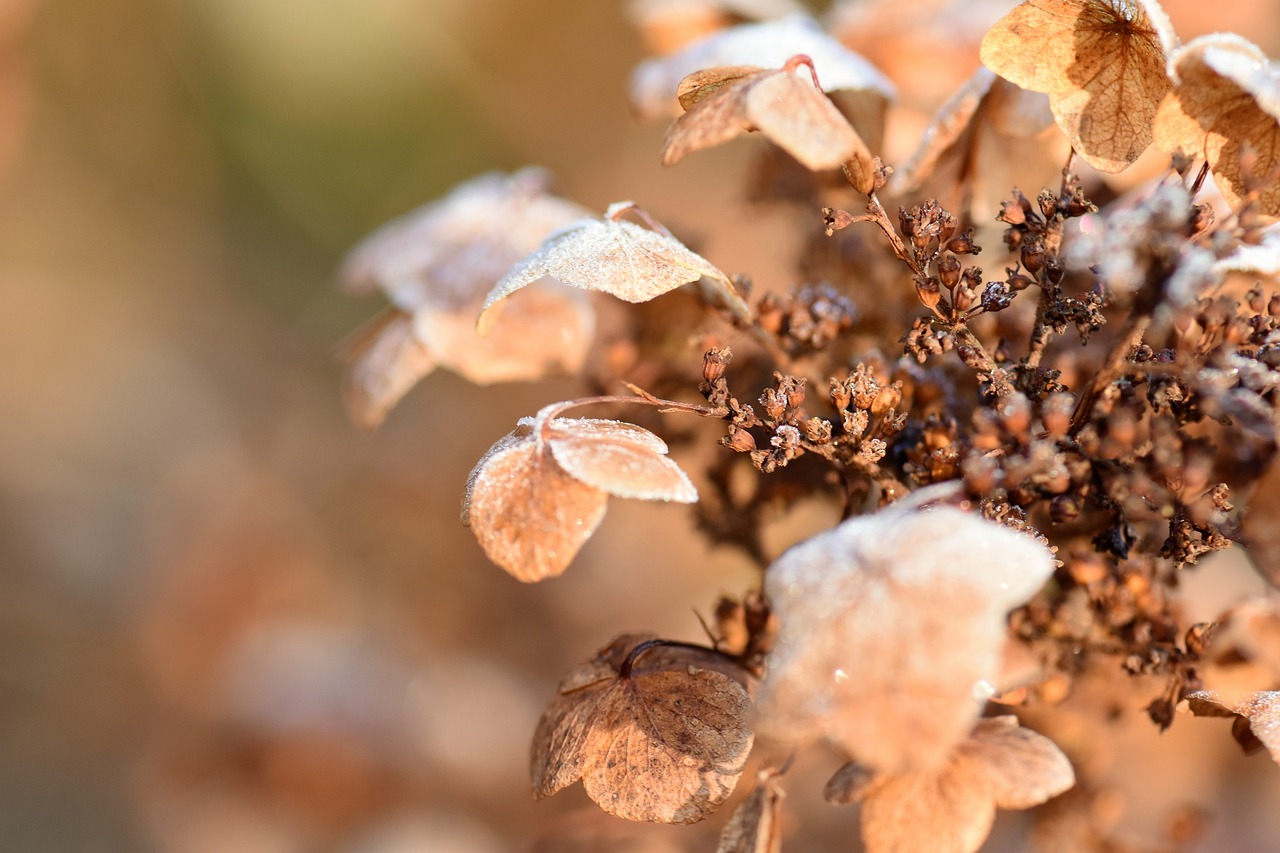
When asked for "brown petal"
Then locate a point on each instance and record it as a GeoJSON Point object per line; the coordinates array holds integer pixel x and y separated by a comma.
{"type": "Point", "coordinates": [1227, 97]}
{"type": "Point", "coordinates": [850, 784]}
{"type": "Point", "coordinates": [1261, 711]}
{"type": "Point", "coordinates": [384, 360]}
{"type": "Point", "coordinates": [619, 458]}
{"type": "Point", "coordinates": [1021, 768]}
{"type": "Point", "coordinates": [941, 812]}
{"type": "Point", "coordinates": [700, 84]}
{"type": "Point", "coordinates": [527, 513]}
{"type": "Point", "coordinates": [606, 255]}
{"type": "Point", "coordinates": [667, 746]}
{"type": "Point", "coordinates": [754, 826]}
{"type": "Point", "coordinates": [789, 110]}
{"type": "Point", "coordinates": [1101, 62]}
{"type": "Point", "coordinates": [555, 755]}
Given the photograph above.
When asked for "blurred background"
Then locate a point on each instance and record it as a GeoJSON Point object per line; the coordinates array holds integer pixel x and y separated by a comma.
{"type": "Point", "coordinates": [229, 621]}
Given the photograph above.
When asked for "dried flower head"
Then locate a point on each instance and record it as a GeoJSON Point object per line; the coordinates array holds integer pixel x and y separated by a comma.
{"type": "Point", "coordinates": [436, 265]}
{"type": "Point", "coordinates": [764, 45]}
{"type": "Point", "coordinates": [1101, 62]}
{"type": "Point", "coordinates": [950, 809]}
{"type": "Point", "coordinates": [782, 104]}
{"type": "Point", "coordinates": [539, 493]}
{"type": "Point", "coordinates": [611, 255]}
{"type": "Point", "coordinates": [892, 630]}
{"type": "Point", "coordinates": [656, 730]}
{"type": "Point", "coordinates": [1226, 109]}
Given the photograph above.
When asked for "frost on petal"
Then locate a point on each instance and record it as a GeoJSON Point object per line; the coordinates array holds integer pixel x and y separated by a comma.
{"type": "Point", "coordinates": [1257, 717]}
{"type": "Point", "coordinates": [1227, 100]}
{"type": "Point", "coordinates": [661, 738]}
{"type": "Point", "coordinates": [619, 458]}
{"type": "Point", "coordinates": [767, 45]}
{"type": "Point", "coordinates": [527, 513]}
{"type": "Point", "coordinates": [892, 631]}
{"type": "Point", "coordinates": [1261, 259]}
{"type": "Point", "coordinates": [754, 826]}
{"type": "Point", "coordinates": [784, 106]}
{"type": "Point", "coordinates": [383, 360]}
{"type": "Point", "coordinates": [1102, 64]}
{"type": "Point", "coordinates": [606, 255]}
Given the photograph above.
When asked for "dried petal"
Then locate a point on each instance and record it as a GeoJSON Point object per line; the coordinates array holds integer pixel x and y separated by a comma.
{"type": "Point", "coordinates": [436, 265]}
{"type": "Point", "coordinates": [892, 629]}
{"type": "Point", "coordinates": [1102, 63]}
{"type": "Point", "coordinates": [1260, 710]}
{"type": "Point", "coordinates": [619, 458]}
{"type": "Point", "coordinates": [539, 493]}
{"type": "Point", "coordinates": [1227, 98]}
{"type": "Point", "coordinates": [527, 513]}
{"type": "Point", "coordinates": [987, 112]}
{"type": "Point", "coordinates": [700, 84]}
{"type": "Point", "coordinates": [610, 256]}
{"type": "Point", "coordinates": [786, 107]}
{"type": "Point", "coordinates": [1022, 768]}
{"type": "Point", "coordinates": [754, 826]}
{"type": "Point", "coordinates": [765, 45]}
{"type": "Point", "coordinates": [662, 739]}
{"type": "Point", "coordinates": [669, 25]}
{"type": "Point", "coordinates": [384, 360]}
{"type": "Point", "coordinates": [951, 808]}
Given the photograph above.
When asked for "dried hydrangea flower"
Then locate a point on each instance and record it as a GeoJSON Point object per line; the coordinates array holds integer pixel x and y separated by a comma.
{"type": "Point", "coordinates": [893, 626]}
{"type": "Point", "coordinates": [436, 265]}
{"type": "Point", "coordinates": [764, 45]}
{"type": "Point", "coordinates": [1227, 99]}
{"type": "Point", "coordinates": [613, 256]}
{"type": "Point", "coordinates": [950, 809]}
{"type": "Point", "coordinates": [540, 492]}
{"type": "Point", "coordinates": [657, 731]}
{"type": "Point", "coordinates": [781, 104]}
{"type": "Point", "coordinates": [1102, 64]}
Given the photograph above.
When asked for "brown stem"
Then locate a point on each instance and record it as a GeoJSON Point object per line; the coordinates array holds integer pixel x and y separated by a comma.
{"type": "Point", "coordinates": [642, 397]}
{"type": "Point", "coordinates": [1112, 370]}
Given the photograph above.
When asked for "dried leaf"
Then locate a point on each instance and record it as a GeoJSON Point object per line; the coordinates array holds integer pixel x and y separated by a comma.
{"type": "Point", "coordinates": [436, 265]}
{"type": "Point", "coordinates": [783, 105]}
{"type": "Point", "coordinates": [384, 360]}
{"type": "Point", "coordinates": [611, 256]}
{"type": "Point", "coordinates": [539, 493]}
{"type": "Point", "coordinates": [662, 738]}
{"type": "Point", "coordinates": [892, 630]}
{"type": "Point", "coordinates": [1101, 62]}
{"type": "Point", "coordinates": [754, 826]}
{"type": "Point", "coordinates": [765, 45]}
{"type": "Point", "coordinates": [1260, 711]}
{"type": "Point", "coordinates": [950, 808]}
{"type": "Point", "coordinates": [1227, 99]}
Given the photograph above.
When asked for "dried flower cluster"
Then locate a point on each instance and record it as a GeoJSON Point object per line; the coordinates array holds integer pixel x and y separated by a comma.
{"type": "Point", "coordinates": [1024, 460]}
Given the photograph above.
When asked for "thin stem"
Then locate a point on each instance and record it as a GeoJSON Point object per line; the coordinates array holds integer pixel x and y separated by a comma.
{"type": "Point", "coordinates": [1112, 370]}
{"type": "Point", "coordinates": [624, 671]}
{"type": "Point", "coordinates": [642, 397]}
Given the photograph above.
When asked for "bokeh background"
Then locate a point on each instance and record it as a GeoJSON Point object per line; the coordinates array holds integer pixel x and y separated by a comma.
{"type": "Point", "coordinates": [229, 621]}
